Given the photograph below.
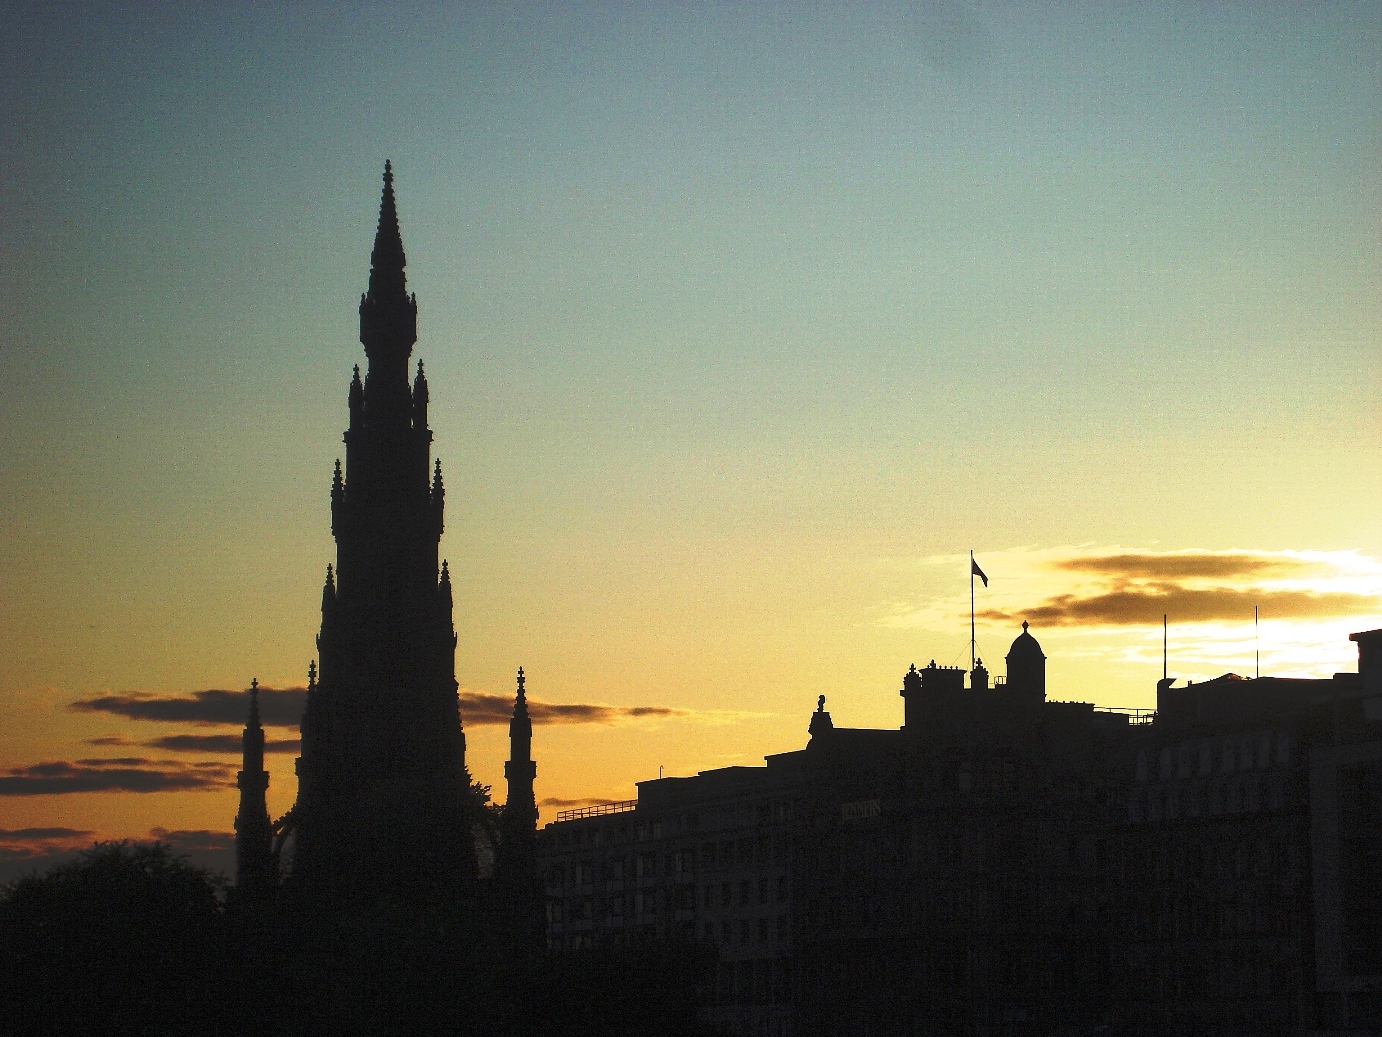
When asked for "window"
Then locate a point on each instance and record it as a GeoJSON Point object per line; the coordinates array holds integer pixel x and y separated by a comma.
{"type": "Point", "coordinates": [726, 895]}
{"type": "Point", "coordinates": [762, 930]}
{"type": "Point", "coordinates": [744, 893]}
{"type": "Point", "coordinates": [763, 890]}
{"type": "Point", "coordinates": [781, 888]}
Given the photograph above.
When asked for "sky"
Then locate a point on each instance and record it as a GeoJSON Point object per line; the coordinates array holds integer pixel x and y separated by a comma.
{"type": "Point", "coordinates": [744, 325]}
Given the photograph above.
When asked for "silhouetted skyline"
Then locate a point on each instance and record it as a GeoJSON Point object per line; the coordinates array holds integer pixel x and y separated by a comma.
{"type": "Point", "coordinates": [743, 326]}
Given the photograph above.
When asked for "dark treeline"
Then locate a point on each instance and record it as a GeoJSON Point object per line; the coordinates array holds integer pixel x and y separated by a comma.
{"type": "Point", "coordinates": [131, 939]}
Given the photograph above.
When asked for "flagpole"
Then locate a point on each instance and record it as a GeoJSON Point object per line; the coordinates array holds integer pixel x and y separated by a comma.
{"type": "Point", "coordinates": [971, 614]}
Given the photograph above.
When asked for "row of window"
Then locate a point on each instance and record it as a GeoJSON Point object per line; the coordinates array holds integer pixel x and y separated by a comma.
{"type": "Point", "coordinates": [1223, 756]}
{"type": "Point", "coordinates": [617, 906]}
{"type": "Point", "coordinates": [1246, 796]}
{"type": "Point", "coordinates": [744, 893]}
{"type": "Point", "coordinates": [722, 895]}
{"type": "Point", "coordinates": [726, 855]}
{"type": "Point", "coordinates": [746, 931]}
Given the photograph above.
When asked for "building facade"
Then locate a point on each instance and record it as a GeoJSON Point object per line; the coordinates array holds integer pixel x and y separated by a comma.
{"type": "Point", "coordinates": [1005, 864]}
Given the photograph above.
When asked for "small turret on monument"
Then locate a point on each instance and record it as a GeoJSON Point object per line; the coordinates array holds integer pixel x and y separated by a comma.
{"type": "Point", "coordinates": [255, 874]}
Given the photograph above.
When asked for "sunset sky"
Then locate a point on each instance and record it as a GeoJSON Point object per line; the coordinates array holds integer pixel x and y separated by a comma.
{"type": "Point", "coordinates": [744, 324]}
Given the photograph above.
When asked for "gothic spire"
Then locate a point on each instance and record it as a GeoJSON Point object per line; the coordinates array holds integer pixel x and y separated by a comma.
{"type": "Point", "coordinates": [520, 770]}
{"type": "Point", "coordinates": [387, 282]}
{"type": "Point", "coordinates": [516, 861]}
{"type": "Point", "coordinates": [357, 397]}
{"type": "Point", "coordinates": [444, 590]}
{"type": "Point", "coordinates": [388, 314]}
{"type": "Point", "coordinates": [253, 835]}
{"type": "Point", "coordinates": [420, 398]}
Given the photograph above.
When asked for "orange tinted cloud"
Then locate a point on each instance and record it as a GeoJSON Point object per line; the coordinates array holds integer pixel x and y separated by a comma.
{"type": "Point", "coordinates": [278, 707]}
{"type": "Point", "coordinates": [481, 707]}
{"type": "Point", "coordinates": [1187, 565]}
{"type": "Point", "coordinates": [1145, 604]}
{"type": "Point", "coordinates": [127, 774]}
{"type": "Point", "coordinates": [282, 707]}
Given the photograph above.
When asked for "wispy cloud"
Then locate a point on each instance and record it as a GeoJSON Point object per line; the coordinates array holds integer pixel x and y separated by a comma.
{"type": "Point", "coordinates": [278, 707]}
{"type": "Point", "coordinates": [195, 840]}
{"type": "Point", "coordinates": [31, 849]}
{"type": "Point", "coordinates": [126, 774]}
{"type": "Point", "coordinates": [200, 744]}
{"type": "Point", "coordinates": [1105, 602]}
{"type": "Point", "coordinates": [1182, 565]}
{"type": "Point", "coordinates": [1145, 604]}
{"type": "Point", "coordinates": [282, 707]}
{"type": "Point", "coordinates": [1136, 588]}
{"type": "Point", "coordinates": [482, 707]}
{"type": "Point", "coordinates": [1119, 587]}
{"type": "Point", "coordinates": [29, 836]}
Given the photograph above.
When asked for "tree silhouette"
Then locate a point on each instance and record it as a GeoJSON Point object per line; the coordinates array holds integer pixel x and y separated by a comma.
{"type": "Point", "coordinates": [125, 939]}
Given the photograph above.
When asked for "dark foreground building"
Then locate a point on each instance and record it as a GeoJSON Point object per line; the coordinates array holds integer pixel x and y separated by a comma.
{"type": "Point", "coordinates": [1004, 864]}
{"type": "Point", "coordinates": [1249, 860]}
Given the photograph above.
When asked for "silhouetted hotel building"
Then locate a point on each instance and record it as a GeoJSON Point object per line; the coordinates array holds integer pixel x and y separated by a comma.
{"type": "Point", "coordinates": [1004, 864]}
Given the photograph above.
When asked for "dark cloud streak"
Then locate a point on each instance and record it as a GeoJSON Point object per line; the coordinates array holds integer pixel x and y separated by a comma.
{"type": "Point", "coordinates": [1144, 605]}
{"type": "Point", "coordinates": [55, 778]}
{"type": "Point", "coordinates": [278, 707]}
{"type": "Point", "coordinates": [283, 708]}
{"type": "Point", "coordinates": [480, 707]}
{"type": "Point", "coordinates": [30, 835]}
{"type": "Point", "coordinates": [1150, 565]}
{"type": "Point", "coordinates": [219, 744]}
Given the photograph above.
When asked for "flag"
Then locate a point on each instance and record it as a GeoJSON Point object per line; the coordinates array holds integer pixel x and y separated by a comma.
{"type": "Point", "coordinates": [974, 570]}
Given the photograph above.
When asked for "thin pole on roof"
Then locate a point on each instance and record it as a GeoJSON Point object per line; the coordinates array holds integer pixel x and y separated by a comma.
{"type": "Point", "coordinates": [1257, 643]}
{"type": "Point", "coordinates": [1163, 646]}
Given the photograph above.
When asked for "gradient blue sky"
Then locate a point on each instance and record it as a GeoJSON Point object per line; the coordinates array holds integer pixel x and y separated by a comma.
{"type": "Point", "coordinates": [743, 323]}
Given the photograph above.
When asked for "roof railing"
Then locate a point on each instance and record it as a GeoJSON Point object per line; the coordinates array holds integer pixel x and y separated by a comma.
{"type": "Point", "coordinates": [1134, 715]}
{"type": "Point", "coordinates": [596, 810]}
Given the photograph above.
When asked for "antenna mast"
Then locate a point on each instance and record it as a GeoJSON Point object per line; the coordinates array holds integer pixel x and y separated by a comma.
{"type": "Point", "coordinates": [1163, 646]}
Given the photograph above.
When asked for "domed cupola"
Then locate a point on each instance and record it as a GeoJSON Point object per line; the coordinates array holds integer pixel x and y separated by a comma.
{"type": "Point", "coordinates": [1027, 668]}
